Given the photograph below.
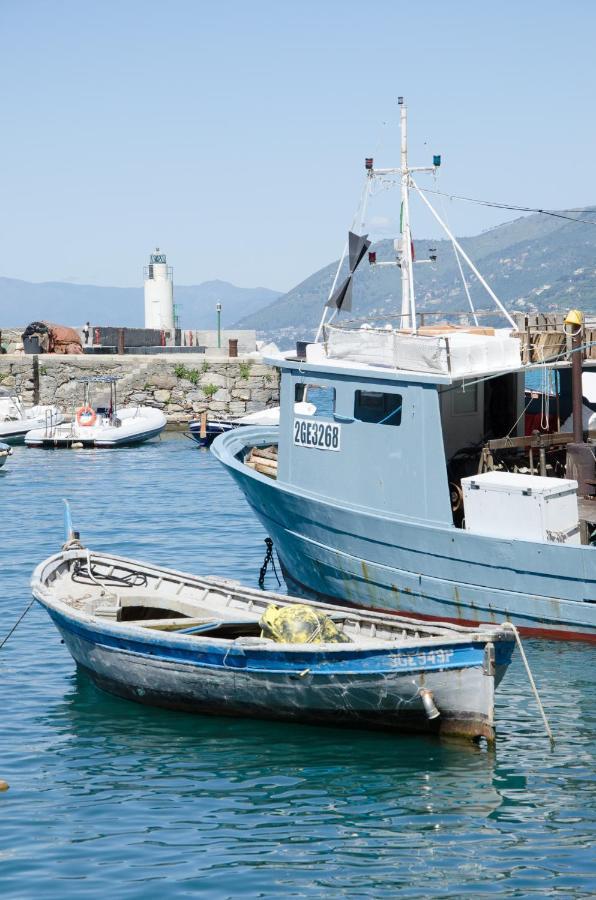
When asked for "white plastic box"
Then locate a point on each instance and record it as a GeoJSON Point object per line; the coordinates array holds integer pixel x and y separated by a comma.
{"type": "Point", "coordinates": [522, 507]}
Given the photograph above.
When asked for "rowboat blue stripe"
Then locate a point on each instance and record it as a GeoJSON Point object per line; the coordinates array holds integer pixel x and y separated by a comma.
{"type": "Point", "coordinates": [344, 663]}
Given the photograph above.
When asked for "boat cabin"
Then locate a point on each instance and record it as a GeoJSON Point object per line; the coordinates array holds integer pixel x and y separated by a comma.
{"type": "Point", "coordinates": [405, 441]}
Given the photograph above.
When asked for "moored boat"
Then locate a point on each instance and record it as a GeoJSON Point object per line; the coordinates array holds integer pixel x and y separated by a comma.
{"type": "Point", "coordinates": [191, 643]}
{"type": "Point", "coordinates": [204, 431]}
{"type": "Point", "coordinates": [100, 426]}
{"type": "Point", "coordinates": [16, 419]}
{"type": "Point", "coordinates": [418, 491]}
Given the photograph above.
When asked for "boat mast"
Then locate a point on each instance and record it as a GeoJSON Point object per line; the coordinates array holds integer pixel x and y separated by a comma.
{"type": "Point", "coordinates": [405, 256]}
{"type": "Point", "coordinates": [404, 246]}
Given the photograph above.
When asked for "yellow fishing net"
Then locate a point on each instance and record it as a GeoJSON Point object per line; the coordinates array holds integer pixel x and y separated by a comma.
{"type": "Point", "coordinates": [300, 624]}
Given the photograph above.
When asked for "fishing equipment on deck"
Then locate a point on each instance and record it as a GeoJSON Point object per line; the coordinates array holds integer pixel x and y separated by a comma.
{"type": "Point", "coordinates": [300, 624]}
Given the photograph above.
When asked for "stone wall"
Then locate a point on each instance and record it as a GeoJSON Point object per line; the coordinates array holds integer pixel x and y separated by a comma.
{"type": "Point", "coordinates": [183, 386]}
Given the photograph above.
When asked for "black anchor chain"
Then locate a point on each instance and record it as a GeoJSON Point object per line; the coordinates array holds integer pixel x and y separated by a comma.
{"type": "Point", "coordinates": [268, 559]}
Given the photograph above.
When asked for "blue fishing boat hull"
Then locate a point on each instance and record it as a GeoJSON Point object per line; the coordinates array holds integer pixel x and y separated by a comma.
{"type": "Point", "coordinates": [363, 689]}
{"type": "Point", "coordinates": [345, 554]}
{"type": "Point", "coordinates": [212, 431]}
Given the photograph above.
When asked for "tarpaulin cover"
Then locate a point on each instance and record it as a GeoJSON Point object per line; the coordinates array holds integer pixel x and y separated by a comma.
{"type": "Point", "coordinates": [64, 339]}
{"type": "Point", "coordinates": [54, 338]}
{"type": "Point", "coordinates": [457, 354]}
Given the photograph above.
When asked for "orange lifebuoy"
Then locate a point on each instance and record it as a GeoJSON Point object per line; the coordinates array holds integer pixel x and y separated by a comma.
{"type": "Point", "coordinates": [86, 415]}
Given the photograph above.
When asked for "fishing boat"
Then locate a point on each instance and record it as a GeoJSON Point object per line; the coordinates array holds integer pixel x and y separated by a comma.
{"type": "Point", "coordinates": [16, 419]}
{"type": "Point", "coordinates": [5, 452]}
{"type": "Point", "coordinates": [204, 430]}
{"type": "Point", "coordinates": [100, 426]}
{"type": "Point", "coordinates": [185, 642]}
{"type": "Point", "coordinates": [417, 492]}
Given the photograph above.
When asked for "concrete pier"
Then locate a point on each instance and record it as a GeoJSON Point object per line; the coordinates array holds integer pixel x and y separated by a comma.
{"type": "Point", "coordinates": [182, 385]}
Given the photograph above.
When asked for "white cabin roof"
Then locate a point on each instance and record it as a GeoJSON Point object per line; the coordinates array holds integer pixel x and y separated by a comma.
{"type": "Point", "coordinates": [435, 357]}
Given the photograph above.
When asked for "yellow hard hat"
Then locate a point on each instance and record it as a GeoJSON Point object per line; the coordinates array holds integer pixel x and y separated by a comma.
{"type": "Point", "coordinates": [574, 317]}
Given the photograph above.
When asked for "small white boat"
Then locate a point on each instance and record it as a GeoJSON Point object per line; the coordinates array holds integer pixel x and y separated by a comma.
{"type": "Point", "coordinates": [5, 452]}
{"type": "Point", "coordinates": [205, 432]}
{"type": "Point", "coordinates": [16, 419]}
{"type": "Point", "coordinates": [210, 645]}
{"type": "Point", "coordinates": [105, 426]}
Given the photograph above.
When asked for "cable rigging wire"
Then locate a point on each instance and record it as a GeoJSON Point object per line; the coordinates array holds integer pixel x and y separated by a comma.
{"type": "Point", "coordinates": [528, 209]}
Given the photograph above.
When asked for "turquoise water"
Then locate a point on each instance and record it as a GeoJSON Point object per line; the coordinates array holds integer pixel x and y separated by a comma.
{"type": "Point", "coordinates": [108, 798]}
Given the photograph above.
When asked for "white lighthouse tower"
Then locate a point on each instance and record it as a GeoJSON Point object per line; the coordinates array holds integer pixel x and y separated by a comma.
{"type": "Point", "coordinates": [159, 292]}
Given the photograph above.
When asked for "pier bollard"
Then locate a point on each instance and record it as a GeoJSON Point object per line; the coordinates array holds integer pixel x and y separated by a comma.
{"type": "Point", "coordinates": [121, 341]}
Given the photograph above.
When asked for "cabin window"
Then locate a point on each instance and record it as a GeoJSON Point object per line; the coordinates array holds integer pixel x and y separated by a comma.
{"type": "Point", "coordinates": [465, 400]}
{"type": "Point", "coordinates": [320, 395]}
{"type": "Point", "coordinates": [374, 406]}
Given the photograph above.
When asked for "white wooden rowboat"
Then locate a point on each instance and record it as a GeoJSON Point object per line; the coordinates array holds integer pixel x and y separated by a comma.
{"type": "Point", "coordinates": [192, 643]}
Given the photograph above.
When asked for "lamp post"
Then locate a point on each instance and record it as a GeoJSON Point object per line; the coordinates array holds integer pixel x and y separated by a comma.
{"type": "Point", "coordinates": [218, 308]}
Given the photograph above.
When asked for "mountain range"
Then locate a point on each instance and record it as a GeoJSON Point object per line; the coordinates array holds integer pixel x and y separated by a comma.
{"type": "Point", "coordinates": [22, 302]}
{"type": "Point", "coordinates": [536, 263]}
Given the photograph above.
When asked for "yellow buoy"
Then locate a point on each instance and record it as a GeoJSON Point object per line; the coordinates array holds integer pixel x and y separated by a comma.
{"type": "Point", "coordinates": [4, 785]}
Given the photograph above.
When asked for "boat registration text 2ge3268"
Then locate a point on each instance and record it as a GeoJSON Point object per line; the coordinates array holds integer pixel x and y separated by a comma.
{"type": "Point", "coordinates": [317, 434]}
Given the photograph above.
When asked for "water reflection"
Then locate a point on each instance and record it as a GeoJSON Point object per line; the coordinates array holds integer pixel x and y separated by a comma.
{"type": "Point", "coordinates": [325, 762]}
{"type": "Point", "coordinates": [107, 794]}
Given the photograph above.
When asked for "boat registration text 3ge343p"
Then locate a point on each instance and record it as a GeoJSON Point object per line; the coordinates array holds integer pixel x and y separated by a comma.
{"type": "Point", "coordinates": [320, 435]}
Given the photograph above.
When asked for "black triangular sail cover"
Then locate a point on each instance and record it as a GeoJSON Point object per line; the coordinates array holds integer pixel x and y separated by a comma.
{"type": "Point", "coordinates": [358, 245]}
{"type": "Point", "coordinates": [342, 296]}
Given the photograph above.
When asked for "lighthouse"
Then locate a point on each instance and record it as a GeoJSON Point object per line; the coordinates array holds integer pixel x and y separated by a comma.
{"type": "Point", "coordinates": [159, 292]}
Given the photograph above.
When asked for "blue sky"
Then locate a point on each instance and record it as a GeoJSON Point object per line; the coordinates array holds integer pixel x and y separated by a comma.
{"type": "Point", "coordinates": [233, 134]}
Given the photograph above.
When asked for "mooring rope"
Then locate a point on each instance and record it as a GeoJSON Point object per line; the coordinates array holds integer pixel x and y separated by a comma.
{"type": "Point", "coordinates": [17, 623]}
{"type": "Point", "coordinates": [547, 727]}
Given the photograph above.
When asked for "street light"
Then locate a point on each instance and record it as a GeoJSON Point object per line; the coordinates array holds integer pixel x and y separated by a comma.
{"type": "Point", "coordinates": [218, 308]}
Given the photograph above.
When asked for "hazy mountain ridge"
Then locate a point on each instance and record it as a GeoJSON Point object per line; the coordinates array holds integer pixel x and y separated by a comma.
{"type": "Point", "coordinates": [22, 302]}
{"type": "Point", "coordinates": [535, 263]}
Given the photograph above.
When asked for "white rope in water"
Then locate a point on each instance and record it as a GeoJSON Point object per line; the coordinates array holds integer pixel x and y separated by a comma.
{"type": "Point", "coordinates": [547, 727]}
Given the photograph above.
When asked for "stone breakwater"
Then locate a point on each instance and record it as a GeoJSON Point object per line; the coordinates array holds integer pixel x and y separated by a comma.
{"type": "Point", "coordinates": [182, 386]}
